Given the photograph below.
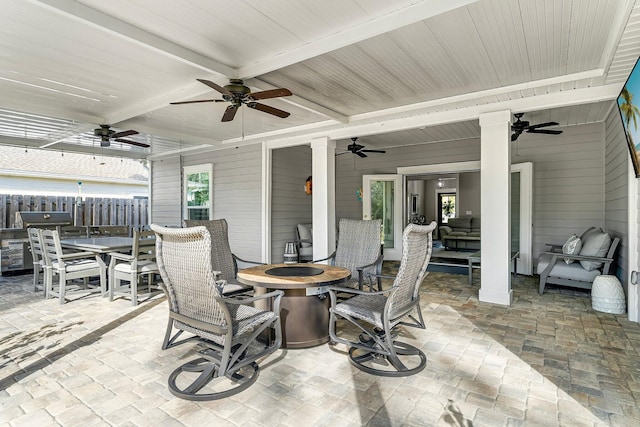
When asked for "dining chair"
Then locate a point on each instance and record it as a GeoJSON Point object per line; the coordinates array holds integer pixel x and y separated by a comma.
{"type": "Point", "coordinates": [69, 266]}
{"type": "Point", "coordinates": [374, 347]}
{"type": "Point", "coordinates": [223, 259]}
{"type": "Point", "coordinates": [359, 250]}
{"type": "Point", "coordinates": [37, 255]}
{"type": "Point", "coordinates": [226, 328]}
{"type": "Point", "coordinates": [140, 263]}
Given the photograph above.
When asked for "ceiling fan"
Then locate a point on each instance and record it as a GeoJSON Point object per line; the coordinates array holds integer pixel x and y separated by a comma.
{"type": "Point", "coordinates": [238, 94]}
{"type": "Point", "coordinates": [106, 134]}
{"type": "Point", "coordinates": [520, 126]}
{"type": "Point", "coordinates": [359, 149]}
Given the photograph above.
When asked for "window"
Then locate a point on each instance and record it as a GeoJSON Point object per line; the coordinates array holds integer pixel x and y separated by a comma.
{"type": "Point", "coordinates": [197, 191]}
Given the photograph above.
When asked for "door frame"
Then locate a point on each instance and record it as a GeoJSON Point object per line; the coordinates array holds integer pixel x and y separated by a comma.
{"type": "Point", "coordinates": [525, 262]}
{"type": "Point", "coordinates": [395, 253]}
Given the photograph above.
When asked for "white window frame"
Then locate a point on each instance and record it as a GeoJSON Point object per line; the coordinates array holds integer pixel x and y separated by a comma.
{"type": "Point", "coordinates": [187, 170]}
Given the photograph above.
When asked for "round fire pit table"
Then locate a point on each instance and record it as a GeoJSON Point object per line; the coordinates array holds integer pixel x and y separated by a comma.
{"type": "Point", "coordinates": [304, 305]}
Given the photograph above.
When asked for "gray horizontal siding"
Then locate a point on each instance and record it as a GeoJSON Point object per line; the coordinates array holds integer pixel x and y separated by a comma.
{"type": "Point", "coordinates": [290, 205]}
{"type": "Point", "coordinates": [237, 194]}
{"type": "Point", "coordinates": [166, 185]}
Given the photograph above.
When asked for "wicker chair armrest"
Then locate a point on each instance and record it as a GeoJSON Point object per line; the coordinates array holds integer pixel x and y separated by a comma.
{"type": "Point", "coordinates": [244, 301]}
{"type": "Point", "coordinates": [336, 289]}
{"type": "Point", "coordinates": [377, 262]}
{"type": "Point", "coordinates": [332, 256]}
{"type": "Point", "coordinates": [237, 258]}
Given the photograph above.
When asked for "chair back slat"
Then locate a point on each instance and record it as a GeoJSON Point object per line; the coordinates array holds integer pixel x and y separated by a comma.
{"type": "Point", "coordinates": [358, 244]}
{"type": "Point", "coordinates": [221, 255]}
{"type": "Point", "coordinates": [417, 245]}
{"type": "Point", "coordinates": [35, 244]}
{"type": "Point", "coordinates": [184, 260]}
{"type": "Point", "coordinates": [51, 248]}
{"type": "Point", "coordinates": [144, 245]}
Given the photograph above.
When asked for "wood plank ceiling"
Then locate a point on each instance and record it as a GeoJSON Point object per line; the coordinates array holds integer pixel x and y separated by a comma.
{"type": "Point", "coordinates": [401, 72]}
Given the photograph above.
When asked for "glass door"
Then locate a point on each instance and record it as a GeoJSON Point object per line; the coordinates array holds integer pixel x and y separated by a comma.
{"type": "Point", "coordinates": [382, 199]}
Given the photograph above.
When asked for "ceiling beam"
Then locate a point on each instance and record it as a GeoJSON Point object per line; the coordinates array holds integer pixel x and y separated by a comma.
{"type": "Point", "coordinates": [81, 13]}
{"type": "Point", "coordinates": [300, 102]}
{"type": "Point", "coordinates": [389, 22]}
{"type": "Point", "coordinates": [28, 143]}
{"type": "Point", "coordinates": [390, 124]}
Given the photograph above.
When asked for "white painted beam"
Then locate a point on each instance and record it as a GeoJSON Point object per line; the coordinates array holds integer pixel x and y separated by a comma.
{"type": "Point", "coordinates": [104, 22]}
{"type": "Point", "coordinates": [300, 102]}
{"type": "Point", "coordinates": [302, 134]}
{"type": "Point", "coordinates": [398, 19]}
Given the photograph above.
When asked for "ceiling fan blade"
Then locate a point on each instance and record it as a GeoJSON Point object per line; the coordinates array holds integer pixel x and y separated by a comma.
{"type": "Point", "coordinates": [515, 136]}
{"type": "Point", "coordinates": [374, 151]}
{"type": "Point", "coordinates": [195, 102]}
{"type": "Point", "coordinates": [360, 153]}
{"type": "Point", "coordinates": [268, 109]}
{"type": "Point", "coordinates": [547, 131]}
{"type": "Point", "coordinates": [136, 143]}
{"type": "Point", "coordinates": [124, 133]}
{"type": "Point", "coordinates": [229, 113]}
{"type": "Point", "coordinates": [273, 93]}
{"type": "Point", "coordinates": [215, 86]}
{"type": "Point", "coordinates": [542, 125]}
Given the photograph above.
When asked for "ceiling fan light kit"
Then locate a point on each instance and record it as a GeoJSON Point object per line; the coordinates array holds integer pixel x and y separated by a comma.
{"type": "Point", "coordinates": [238, 95]}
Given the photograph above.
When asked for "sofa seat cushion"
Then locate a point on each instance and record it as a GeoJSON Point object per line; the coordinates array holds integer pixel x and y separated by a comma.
{"type": "Point", "coordinates": [474, 234]}
{"type": "Point", "coordinates": [457, 233]}
{"type": "Point", "coordinates": [566, 271]}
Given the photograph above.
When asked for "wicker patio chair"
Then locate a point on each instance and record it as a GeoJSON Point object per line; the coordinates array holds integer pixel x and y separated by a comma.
{"type": "Point", "coordinates": [222, 259]}
{"type": "Point", "coordinates": [68, 266]}
{"type": "Point", "coordinates": [141, 262]}
{"type": "Point", "coordinates": [377, 315]}
{"type": "Point", "coordinates": [359, 251]}
{"type": "Point", "coordinates": [227, 328]}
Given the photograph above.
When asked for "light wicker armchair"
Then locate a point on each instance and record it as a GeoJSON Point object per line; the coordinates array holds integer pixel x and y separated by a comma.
{"type": "Point", "coordinates": [227, 328]}
{"type": "Point", "coordinates": [222, 259]}
{"type": "Point", "coordinates": [376, 315]}
{"type": "Point", "coordinates": [359, 251]}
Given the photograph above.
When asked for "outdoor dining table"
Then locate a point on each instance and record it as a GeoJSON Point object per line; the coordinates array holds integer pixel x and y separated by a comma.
{"type": "Point", "coordinates": [305, 305]}
{"type": "Point", "coordinates": [101, 245]}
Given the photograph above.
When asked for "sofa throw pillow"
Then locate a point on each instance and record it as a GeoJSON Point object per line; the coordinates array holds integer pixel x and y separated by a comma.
{"type": "Point", "coordinates": [305, 234]}
{"type": "Point", "coordinates": [572, 246]}
{"type": "Point", "coordinates": [596, 244]}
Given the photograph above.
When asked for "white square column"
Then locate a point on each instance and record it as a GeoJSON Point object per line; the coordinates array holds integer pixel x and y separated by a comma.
{"type": "Point", "coordinates": [323, 169]}
{"type": "Point", "coordinates": [495, 190]}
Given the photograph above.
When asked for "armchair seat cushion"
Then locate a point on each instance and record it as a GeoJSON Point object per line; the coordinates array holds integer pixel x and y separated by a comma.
{"type": "Point", "coordinates": [573, 271]}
